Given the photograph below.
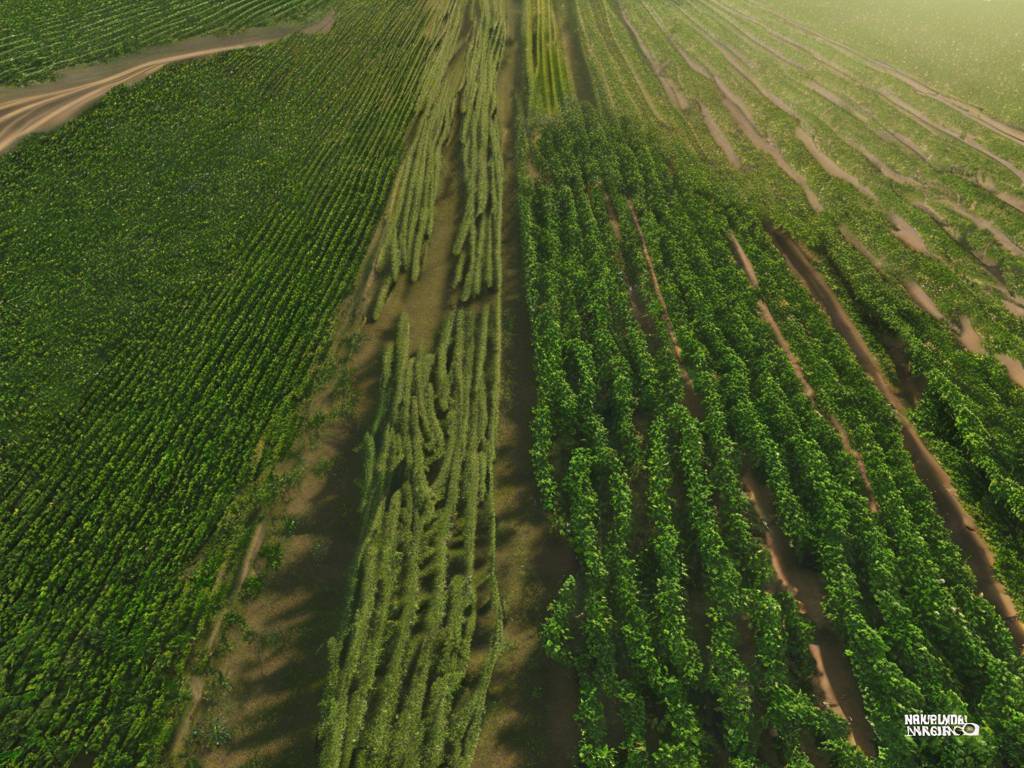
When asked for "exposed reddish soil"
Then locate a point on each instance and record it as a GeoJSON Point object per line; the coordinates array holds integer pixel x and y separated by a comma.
{"type": "Point", "coordinates": [1013, 307]}
{"type": "Point", "coordinates": [907, 235]}
{"type": "Point", "coordinates": [719, 137]}
{"type": "Point", "coordinates": [923, 300]}
{"type": "Point", "coordinates": [970, 338]}
{"type": "Point", "coordinates": [44, 107]}
{"type": "Point", "coordinates": [1013, 367]}
{"type": "Point", "coordinates": [962, 527]}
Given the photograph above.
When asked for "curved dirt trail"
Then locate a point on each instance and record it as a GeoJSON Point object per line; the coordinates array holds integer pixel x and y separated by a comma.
{"type": "Point", "coordinates": [44, 107]}
{"type": "Point", "coordinates": [962, 527]}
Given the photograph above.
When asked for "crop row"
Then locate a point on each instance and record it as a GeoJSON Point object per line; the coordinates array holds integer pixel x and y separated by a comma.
{"type": "Point", "coordinates": [771, 98]}
{"type": "Point", "coordinates": [842, 488]}
{"type": "Point", "coordinates": [404, 687]}
{"type": "Point", "coordinates": [458, 97]}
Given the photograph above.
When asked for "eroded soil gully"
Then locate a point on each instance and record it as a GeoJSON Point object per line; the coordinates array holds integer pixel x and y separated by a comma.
{"type": "Point", "coordinates": [962, 527]}
{"type": "Point", "coordinates": [44, 107]}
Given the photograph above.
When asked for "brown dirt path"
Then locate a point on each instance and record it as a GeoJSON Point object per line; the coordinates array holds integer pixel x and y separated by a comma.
{"type": "Point", "coordinates": [531, 699]}
{"type": "Point", "coordinates": [45, 107]}
{"type": "Point", "coordinates": [962, 526]}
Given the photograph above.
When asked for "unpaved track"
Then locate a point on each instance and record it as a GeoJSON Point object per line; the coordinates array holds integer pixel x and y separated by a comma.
{"type": "Point", "coordinates": [531, 699]}
{"type": "Point", "coordinates": [962, 527]}
{"type": "Point", "coordinates": [44, 107]}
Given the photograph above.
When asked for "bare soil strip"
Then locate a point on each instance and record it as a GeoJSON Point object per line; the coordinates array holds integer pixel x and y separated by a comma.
{"type": "Point", "coordinates": [907, 235]}
{"type": "Point", "coordinates": [970, 338]}
{"type": "Point", "coordinates": [922, 119]}
{"type": "Point", "coordinates": [924, 301]}
{"type": "Point", "coordinates": [760, 142]}
{"type": "Point", "coordinates": [531, 698]}
{"type": "Point", "coordinates": [832, 168]}
{"type": "Point", "coordinates": [720, 138]}
{"type": "Point", "coordinates": [665, 317]}
{"type": "Point", "coordinates": [1004, 240]}
{"type": "Point", "coordinates": [44, 107]}
{"type": "Point", "coordinates": [962, 527]}
{"type": "Point", "coordinates": [834, 681]}
{"type": "Point", "coordinates": [794, 362]}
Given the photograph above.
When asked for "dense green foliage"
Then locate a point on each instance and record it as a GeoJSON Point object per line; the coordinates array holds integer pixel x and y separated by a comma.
{"type": "Point", "coordinates": [40, 38]}
{"type": "Point", "coordinates": [160, 326]}
{"type": "Point", "coordinates": [917, 635]}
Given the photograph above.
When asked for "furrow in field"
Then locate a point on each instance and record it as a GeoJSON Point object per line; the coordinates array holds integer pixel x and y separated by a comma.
{"type": "Point", "coordinates": [961, 524]}
{"type": "Point", "coordinates": [672, 91]}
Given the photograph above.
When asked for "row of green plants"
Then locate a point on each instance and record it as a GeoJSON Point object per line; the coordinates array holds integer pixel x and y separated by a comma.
{"type": "Point", "coordinates": [423, 623]}
{"type": "Point", "coordinates": [969, 419]}
{"type": "Point", "coordinates": [897, 591]}
{"type": "Point", "coordinates": [457, 108]}
{"type": "Point", "coordinates": [174, 261]}
{"type": "Point", "coordinates": [40, 39]}
{"type": "Point", "coordinates": [686, 648]}
{"type": "Point", "coordinates": [423, 626]}
{"type": "Point", "coordinates": [547, 74]}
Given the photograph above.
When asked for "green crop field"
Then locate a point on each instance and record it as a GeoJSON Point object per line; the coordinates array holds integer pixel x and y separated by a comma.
{"type": "Point", "coordinates": [472, 383]}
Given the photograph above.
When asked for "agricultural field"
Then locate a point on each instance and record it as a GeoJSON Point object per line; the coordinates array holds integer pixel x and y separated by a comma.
{"type": "Point", "coordinates": [472, 383]}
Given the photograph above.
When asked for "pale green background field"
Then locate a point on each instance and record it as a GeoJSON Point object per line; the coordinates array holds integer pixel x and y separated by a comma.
{"type": "Point", "coordinates": [973, 49]}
